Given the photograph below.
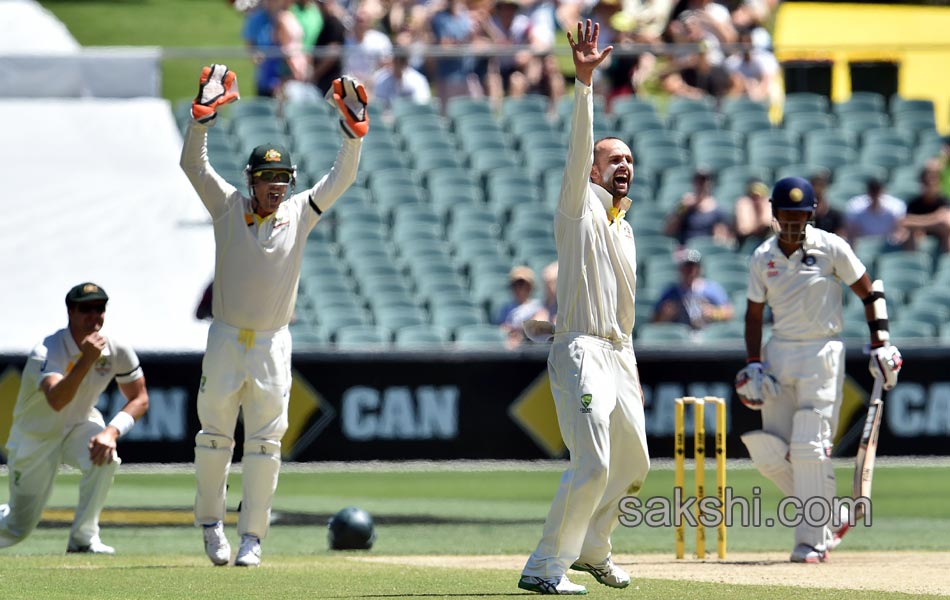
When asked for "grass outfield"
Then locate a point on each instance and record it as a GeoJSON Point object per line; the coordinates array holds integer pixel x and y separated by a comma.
{"type": "Point", "coordinates": [165, 23]}
{"type": "Point", "coordinates": [441, 512]}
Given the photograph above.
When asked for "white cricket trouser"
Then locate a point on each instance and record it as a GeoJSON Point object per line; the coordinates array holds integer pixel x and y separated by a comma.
{"type": "Point", "coordinates": [804, 415]}
{"type": "Point", "coordinates": [596, 388]}
{"type": "Point", "coordinates": [246, 371]}
{"type": "Point", "coordinates": [33, 464]}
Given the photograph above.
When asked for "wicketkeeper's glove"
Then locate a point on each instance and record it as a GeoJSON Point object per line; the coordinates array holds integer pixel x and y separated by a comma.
{"type": "Point", "coordinates": [754, 383]}
{"type": "Point", "coordinates": [349, 97]}
{"type": "Point", "coordinates": [886, 362]}
{"type": "Point", "coordinates": [216, 87]}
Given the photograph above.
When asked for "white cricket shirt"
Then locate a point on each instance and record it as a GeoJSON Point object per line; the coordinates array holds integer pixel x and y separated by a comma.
{"type": "Point", "coordinates": [57, 354]}
{"type": "Point", "coordinates": [257, 261]}
{"type": "Point", "coordinates": [597, 259]}
{"type": "Point", "coordinates": [804, 290]}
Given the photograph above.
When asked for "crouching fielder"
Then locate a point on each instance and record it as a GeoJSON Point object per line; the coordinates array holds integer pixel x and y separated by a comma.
{"type": "Point", "coordinates": [796, 379]}
{"type": "Point", "coordinates": [259, 241]}
{"type": "Point", "coordinates": [55, 421]}
{"type": "Point", "coordinates": [592, 366]}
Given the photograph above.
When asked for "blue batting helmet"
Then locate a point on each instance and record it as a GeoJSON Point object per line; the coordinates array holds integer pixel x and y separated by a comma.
{"type": "Point", "coordinates": [793, 193]}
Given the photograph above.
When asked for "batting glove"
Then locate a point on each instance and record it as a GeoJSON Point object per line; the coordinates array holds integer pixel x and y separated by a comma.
{"type": "Point", "coordinates": [886, 363]}
{"type": "Point", "coordinates": [216, 87]}
{"type": "Point", "coordinates": [754, 383]}
{"type": "Point", "coordinates": [349, 97]}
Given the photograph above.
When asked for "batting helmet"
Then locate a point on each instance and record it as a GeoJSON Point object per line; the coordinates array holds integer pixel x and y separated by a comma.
{"type": "Point", "coordinates": [351, 529]}
{"type": "Point", "coordinates": [793, 193]}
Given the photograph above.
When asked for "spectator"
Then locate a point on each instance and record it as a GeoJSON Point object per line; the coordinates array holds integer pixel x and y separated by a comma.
{"type": "Point", "coordinates": [694, 300]}
{"type": "Point", "coordinates": [310, 18]}
{"type": "Point", "coordinates": [876, 214]}
{"type": "Point", "coordinates": [698, 77]}
{"type": "Point", "coordinates": [455, 75]}
{"type": "Point", "coordinates": [399, 80]}
{"type": "Point", "coordinates": [549, 274]}
{"type": "Point", "coordinates": [365, 48]}
{"type": "Point", "coordinates": [826, 217]}
{"type": "Point", "coordinates": [522, 307]}
{"type": "Point", "coordinates": [928, 213]}
{"type": "Point", "coordinates": [756, 69]}
{"type": "Point", "coordinates": [698, 214]}
{"type": "Point", "coordinates": [754, 212]}
{"type": "Point", "coordinates": [332, 35]}
{"type": "Point", "coordinates": [269, 29]}
{"type": "Point", "coordinates": [509, 75]}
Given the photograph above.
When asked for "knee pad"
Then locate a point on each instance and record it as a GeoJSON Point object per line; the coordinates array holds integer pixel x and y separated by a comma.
{"type": "Point", "coordinates": [261, 448]}
{"type": "Point", "coordinates": [213, 442]}
{"type": "Point", "coordinates": [811, 437]}
{"type": "Point", "coordinates": [770, 455]}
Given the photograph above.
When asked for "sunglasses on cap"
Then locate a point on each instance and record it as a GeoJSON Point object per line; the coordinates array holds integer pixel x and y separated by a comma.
{"type": "Point", "coordinates": [272, 176]}
{"type": "Point", "coordinates": [89, 307]}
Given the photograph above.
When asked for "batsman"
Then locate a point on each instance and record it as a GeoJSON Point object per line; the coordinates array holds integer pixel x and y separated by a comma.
{"type": "Point", "coordinates": [796, 379]}
{"type": "Point", "coordinates": [259, 242]}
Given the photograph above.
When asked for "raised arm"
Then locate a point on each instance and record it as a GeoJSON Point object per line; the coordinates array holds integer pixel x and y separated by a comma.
{"type": "Point", "coordinates": [580, 153]}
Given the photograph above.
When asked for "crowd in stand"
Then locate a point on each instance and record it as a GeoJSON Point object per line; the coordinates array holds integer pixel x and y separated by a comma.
{"type": "Point", "coordinates": [302, 45]}
{"type": "Point", "coordinates": [726, 54]}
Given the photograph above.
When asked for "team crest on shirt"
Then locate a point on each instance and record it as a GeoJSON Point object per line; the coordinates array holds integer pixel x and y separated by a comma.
{"type": "Point", "coordinates": [772, 271]}
{"type": "Point", "coordinates": [102, 365]}
{"type": "Point", "coordinates": [585, 401]}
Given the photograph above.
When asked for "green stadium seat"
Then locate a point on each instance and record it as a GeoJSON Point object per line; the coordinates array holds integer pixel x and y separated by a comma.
{"type": "Point", "coordinates": [421, 336]}
{"type": "Point", "coordinates": [662, 332]}
{"type": "Point", "coordinates": [480, 336]}
{"type": "Point", "coordinates": [353, 337]}
{"type": "Point", "coordinates": [805, 102]}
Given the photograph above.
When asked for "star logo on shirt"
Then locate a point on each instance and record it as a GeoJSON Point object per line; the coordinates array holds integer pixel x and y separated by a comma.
{"type": "Point", "coordinates": [771, 264]}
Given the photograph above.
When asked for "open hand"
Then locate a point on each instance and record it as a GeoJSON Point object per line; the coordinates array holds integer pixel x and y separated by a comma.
{"type": "Point", "coordinates": [585, 53]}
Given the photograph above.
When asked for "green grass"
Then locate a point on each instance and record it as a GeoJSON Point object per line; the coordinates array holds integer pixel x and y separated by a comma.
{"type": "Point", "coordinates": [472, 512]}
{"type": "Point", "coordinates": [166, 23]}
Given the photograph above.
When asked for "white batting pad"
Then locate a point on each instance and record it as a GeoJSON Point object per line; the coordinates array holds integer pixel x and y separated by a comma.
{"type": "Point", "coordinates": [212, 463]}
{"type": "Point", "coordinates": [769, 454]}
{"type": "Point", "coordinates": [813, 473]}
{"type": "Point", "coordinates": [261, 465]}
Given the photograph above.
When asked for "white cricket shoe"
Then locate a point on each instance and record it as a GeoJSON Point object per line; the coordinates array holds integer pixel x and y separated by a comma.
{"type": "Point", "coordinates": [216, 544]}
{"type": "Point", "coordinates": [95, 546]}
{"type": "Point", "coordinates": [249, 554]}
{"type": "Point", "coordinates": [555, 586]}
{"type": "Point", "coordinates": [803, 553]}
{"type": "Point", "coordinates": [606, 573]}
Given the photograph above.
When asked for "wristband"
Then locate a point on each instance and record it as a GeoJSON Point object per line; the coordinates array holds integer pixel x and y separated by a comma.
{"type": "Point", "coordinates": [123, 422]}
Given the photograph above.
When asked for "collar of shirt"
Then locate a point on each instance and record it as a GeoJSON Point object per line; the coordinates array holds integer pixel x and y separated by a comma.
{"type": "Point", "coordinates": [613, 213]}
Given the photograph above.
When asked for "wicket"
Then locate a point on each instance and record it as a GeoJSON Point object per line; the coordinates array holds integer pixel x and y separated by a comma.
{"type": "Point", "coordinates": [699, 451]}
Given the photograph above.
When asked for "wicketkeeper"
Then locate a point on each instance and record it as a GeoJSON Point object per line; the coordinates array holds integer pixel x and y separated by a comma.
{"type": "Point", "coordinates": [796, 379]}
{"type": "Point", "coordinates": [259, 242]}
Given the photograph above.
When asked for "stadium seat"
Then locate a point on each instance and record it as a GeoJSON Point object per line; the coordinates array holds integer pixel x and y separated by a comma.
{"type": "Point", "coordinates": [361, 336]}
{"type": "Point", "coordinates": [416, 336]}
{"type": "Point", "coordinates": [485, 337]}
{"type": "Point", "coordinates": [662, 332]}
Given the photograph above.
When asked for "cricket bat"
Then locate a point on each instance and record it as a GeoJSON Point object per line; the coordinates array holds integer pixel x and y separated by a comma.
{"type": "Point", "coordinates": [867, 449]}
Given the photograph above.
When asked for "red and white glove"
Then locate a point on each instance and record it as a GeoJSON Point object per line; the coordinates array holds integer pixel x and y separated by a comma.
{"type": "Point", "coordinates": [349, 97]}
{"type": "Point", "coordinates": [886, 363]}
{"type": "Point", "coordinates": [216, 87]}
{"type": "Point", "coordinates": [754, 383]}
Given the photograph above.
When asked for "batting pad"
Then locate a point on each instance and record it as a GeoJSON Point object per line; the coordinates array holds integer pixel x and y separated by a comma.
{"type": "Point", "coordinates": [769, 454]}
{"type": "Point", "coordinates": [814, 475]}
{"type": "Point", "coordinates": [212, 463]}
{"type": "Point", "coordinates": [261, 465]}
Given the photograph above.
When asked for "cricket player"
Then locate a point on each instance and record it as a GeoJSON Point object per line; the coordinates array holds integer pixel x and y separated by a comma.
{"type": "Point", "coordinates": [55, 421]}
{"type": "Point", "coordinates": [592, 366]}
{"type": "Point", "coordinates": [259, 243]}
{"type": "Point", "coordinates": [796, 379]}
